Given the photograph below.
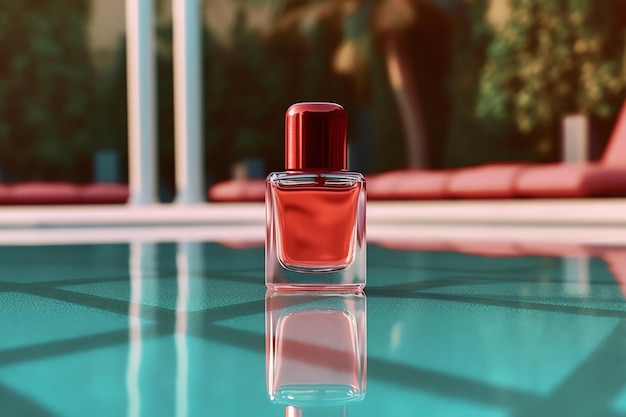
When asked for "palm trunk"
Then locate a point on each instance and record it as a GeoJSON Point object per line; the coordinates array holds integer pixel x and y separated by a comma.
{"type": "Point", "coordinates": [407, 99]}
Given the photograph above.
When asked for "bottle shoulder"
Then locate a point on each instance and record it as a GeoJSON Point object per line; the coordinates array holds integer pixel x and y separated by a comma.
{"type": "Point", "coordinates": [307, 176]}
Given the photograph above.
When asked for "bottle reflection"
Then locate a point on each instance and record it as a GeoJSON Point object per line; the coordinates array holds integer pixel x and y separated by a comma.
{"type": "Point", "coordinates": [316, 351]}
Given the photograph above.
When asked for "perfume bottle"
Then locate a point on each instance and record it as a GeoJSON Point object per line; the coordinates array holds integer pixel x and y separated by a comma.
{"type": "Point", "coordinates": [316, 350]}
{"type": "Point", "coordinates": [315, 209]}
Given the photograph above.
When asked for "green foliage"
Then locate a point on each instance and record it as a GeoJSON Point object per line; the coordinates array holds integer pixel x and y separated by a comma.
{"type": "Point", "coordinates": [553, 57]}
{"type": "Point", "coordinates": [239, 98]}
{"type": "Point", "coordinates": [250, 84]}
{"type": "Point", "coordinates": [47, 98]}
{"type": "Point", "coordinates": [470, 139]}
{"type": "Point", "coordinates": [508, 87]}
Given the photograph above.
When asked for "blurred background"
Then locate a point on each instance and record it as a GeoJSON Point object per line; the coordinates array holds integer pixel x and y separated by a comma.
{"type": "Point", "coordinates": [426, 83]}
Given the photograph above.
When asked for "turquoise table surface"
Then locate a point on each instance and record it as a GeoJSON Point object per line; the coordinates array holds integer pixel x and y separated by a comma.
{"type": "Point", "coordinates": [179, 329]}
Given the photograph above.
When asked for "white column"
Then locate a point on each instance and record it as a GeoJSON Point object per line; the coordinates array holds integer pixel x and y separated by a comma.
{"type": "Point", "coordinates": [141, 101]}
{"type": "Point", "coordinates": [187, 31]}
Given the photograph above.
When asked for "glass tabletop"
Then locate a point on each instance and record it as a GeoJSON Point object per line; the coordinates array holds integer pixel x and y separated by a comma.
{"type": "Point", "coordinates": [188, 329]}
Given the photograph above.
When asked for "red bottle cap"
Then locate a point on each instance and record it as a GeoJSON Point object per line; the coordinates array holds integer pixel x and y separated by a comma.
{"type": "Point", "coordinates": [315, 137]}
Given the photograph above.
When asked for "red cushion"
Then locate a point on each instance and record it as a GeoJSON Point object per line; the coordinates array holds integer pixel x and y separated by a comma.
{"type": "Point", "coordinates": [247, 190]}
{"type": "Point", "coordinates": [571, 180]}
{"type": "Point", "coordinates": [484, 181]}
{"type": "Point", "coordinates": [43, 193]}
{"type": "Point", "coordinates": [104, 193]}
{"type": "Point", "coordinates": [407, 184]}
{"type": "Point", "coordinates": [615, 152]}
{"type": "Point", "coordinates": [4, 194]}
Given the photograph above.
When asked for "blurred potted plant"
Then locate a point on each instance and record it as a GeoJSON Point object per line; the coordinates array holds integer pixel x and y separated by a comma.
{"type": "Point", "coordinates": [550, 58]}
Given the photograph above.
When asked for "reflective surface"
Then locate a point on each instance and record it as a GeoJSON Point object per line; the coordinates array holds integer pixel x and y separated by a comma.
{"type": "Point", "coordinates": [179, 329]}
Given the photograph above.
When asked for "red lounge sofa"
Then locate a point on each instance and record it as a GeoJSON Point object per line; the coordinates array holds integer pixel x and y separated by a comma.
{"type": "Point", "coordinates": [28, 193]}
{"type": "Point", "coordinates": [606, 177]}
{"type": "Point", "coordinates": [238, 190]}
{"type": "Point", "coordinates": [407, 184]}
{"type": "Point", "coordinates": [4, 194]}
{"type": "Point", "coordinates": [54, 193]}
{"type": "Point", "coordinates": [558, 180]}
{"type": "Point", "coordinates": [393, 185]}
{"type": "Point", "coordinates": [104, 193]}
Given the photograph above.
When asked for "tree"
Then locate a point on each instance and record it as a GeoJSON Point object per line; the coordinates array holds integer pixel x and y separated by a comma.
{"type": "Point", "coordinates": [470, 140]}
{"type": "Point", "coordinates": [549, 58]}
{"type": "Point", "coordinates": [48, 102]}
{"type": "Point", "coordinates": [396, 51]}
{"type": "Point", "coordinates": [251, 81]}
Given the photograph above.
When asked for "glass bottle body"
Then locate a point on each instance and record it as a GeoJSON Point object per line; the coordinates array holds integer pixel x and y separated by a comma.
{"type": "Point", "coordinates": [315, 230]}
